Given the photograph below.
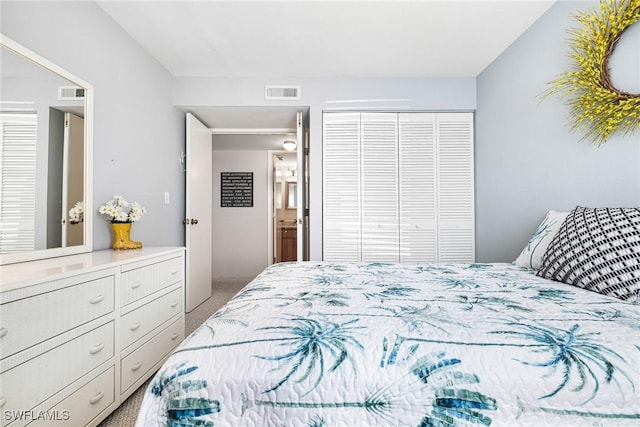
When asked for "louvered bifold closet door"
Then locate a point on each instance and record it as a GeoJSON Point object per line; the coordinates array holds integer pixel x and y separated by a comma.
{"type": "Point", "coordinates": [417, 166]}
{"type": "Point", "coordinates": [18, 133]}
{"type": "Point", "coordinates": [455, 187]}
{"type": "Point", "coordinates": [341, 187]}
{"type": "Point", "coordinates": [379, 183]}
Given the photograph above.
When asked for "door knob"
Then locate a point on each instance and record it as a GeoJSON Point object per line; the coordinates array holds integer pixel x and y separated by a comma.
{"type": "Point", "coordinates": [194, 221]}
{"type": "Point", "coordinates": [185, 221]}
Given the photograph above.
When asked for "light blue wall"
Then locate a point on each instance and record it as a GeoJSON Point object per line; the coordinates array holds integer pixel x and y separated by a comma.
{"type": "Point", "coordinates": [138, 134]}
{"type": "Point", "coordinates": [527, 160]}
{"type": "Point", "coordinates": [320, 94]}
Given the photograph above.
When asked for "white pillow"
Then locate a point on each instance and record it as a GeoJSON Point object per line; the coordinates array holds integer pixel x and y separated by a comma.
{"type": "Point", "coordinates": [531, 255]}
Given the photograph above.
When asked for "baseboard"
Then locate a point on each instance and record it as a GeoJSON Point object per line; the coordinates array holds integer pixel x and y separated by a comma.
{"type": "Point", "coordinates": [231, 279]}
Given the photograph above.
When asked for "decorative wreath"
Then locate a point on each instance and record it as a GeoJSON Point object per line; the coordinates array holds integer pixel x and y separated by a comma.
{"type": "Point", "coordinates": [597, 107]}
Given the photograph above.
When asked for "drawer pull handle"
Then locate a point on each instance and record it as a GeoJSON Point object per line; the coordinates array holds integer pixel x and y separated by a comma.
{"type": "Point", "coordinates": [174, 303]}
{"type": "Point", "coordinates": [96, 299]}
{"type": "Point", "coordinates": [174, 335]}
{"type": "Point", "coordinates": [3, 400]}
{"type": "Point", "coordinates": [96, 348]}
{"type": "Point", "coordinates": [96, 398]}
{"type": "Point", "coordinates": [174, 272]}
{"type": "Point", "coordinates": [136, 284]}
{"type": "Point", "coordinates": [3, 332]}
{"type": "Point", "coordinates": [136, 366]}
{"type": "Point", "coordinates": [135, 326]}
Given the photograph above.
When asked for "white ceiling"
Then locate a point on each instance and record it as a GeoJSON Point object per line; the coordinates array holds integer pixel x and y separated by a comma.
{"type": "Point", "coordinates": [311, 38]}
{"type": "Point", "coordinates": [347, 38]}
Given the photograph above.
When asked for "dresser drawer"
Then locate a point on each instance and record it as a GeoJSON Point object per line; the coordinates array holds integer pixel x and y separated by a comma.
{"type": "Point", "coordinates": [29, 321]}
{"type": "Point", "coordinates": [26, 385]}
{"type": "Point", "coordinates": [138, 363]}
{"type": "Point", "coordinates": [143, 320]}
{"type": "Point", "coordinates": [142, 281]}
{"type": "Point", "coordinates": [85, 404]}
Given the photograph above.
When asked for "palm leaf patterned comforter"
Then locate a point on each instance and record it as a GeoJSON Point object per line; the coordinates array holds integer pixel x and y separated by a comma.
{"type": "Point", "coordinates": [378, 344]}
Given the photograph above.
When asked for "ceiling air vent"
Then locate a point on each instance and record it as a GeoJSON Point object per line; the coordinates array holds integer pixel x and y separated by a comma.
{"type": "Point", "coordinates": [70, 93]}
{"type": "Point", "coordinates": [278, 93]}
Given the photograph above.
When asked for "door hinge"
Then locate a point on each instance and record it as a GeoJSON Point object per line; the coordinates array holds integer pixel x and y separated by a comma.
{"type": "Point", "coordinates": [182, 159]}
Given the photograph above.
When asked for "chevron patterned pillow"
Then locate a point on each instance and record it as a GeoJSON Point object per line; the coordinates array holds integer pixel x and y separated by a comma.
{"type": "Point", "coordinates": [597, 249]}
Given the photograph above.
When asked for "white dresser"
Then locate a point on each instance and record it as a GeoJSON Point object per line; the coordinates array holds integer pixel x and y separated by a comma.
{"type": "Point", "coordinates": [79, 334]}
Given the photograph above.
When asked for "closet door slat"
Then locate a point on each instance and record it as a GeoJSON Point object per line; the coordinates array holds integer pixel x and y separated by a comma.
{"type": "Point", "coordinates": [341, 187]}
{"type": "Point", "coordinates": [455, 187]}
{"type": "Point", "coordinates": [417, 195]}
{"type": "Point", "coordinates": [379, 151]}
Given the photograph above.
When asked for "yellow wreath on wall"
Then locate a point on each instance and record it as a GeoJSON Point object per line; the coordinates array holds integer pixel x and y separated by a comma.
{"type": "Point", "coordinates": [597, 107]}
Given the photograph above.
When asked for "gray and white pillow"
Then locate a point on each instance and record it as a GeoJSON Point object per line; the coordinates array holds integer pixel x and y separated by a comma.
{"type": "Point", "coordinates": [531, 255]}
{"type": "Point", "coordinates": [597, 249]}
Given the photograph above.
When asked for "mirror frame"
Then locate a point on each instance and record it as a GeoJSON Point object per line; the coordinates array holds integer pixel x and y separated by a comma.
{"type": "Point", "coordinates": [16, 257]}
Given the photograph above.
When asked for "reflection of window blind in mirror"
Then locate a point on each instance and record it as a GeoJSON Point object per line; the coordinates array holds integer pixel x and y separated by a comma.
{"type": "Point", "coordinates": [17, 181]}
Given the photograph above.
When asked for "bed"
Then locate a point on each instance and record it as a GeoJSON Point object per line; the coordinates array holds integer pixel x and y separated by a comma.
{"type": "Point", "coordinates": [389, 344]}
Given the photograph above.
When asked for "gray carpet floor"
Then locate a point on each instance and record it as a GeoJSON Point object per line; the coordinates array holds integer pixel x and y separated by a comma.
{"type": "Point", "coordinates": [222, 291]}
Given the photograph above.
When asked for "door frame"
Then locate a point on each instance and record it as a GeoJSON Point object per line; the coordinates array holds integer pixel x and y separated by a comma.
{"type": "Point", "coordinates": [271, 213]}
{"type": "Point", "coordinates": [302, 152]}
{"type": "Point", "coordinates": [271, 238]}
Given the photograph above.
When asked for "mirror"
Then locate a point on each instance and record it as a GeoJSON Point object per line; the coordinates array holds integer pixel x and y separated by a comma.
{"type": "Point", "coordinates": [292, 195]}
{"type": "Point", "coordinates": [46, 122]}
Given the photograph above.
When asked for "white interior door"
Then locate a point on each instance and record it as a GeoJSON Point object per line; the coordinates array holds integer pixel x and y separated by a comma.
{"type": "Point", "coordinates": [398, 186]}
{"type": "Point", "coordinates": [417, 195]}
{"type": "Point", "coordinates": [456, 242]}
{"type": "Point", "coordinates": [341, 187]}
{"type": "Point", "coordinates": [65, 181]}
{"type": "Point", "coordinates": [379, 186]}
{"type": "Point", "coordinates": [301, 196]}
{"type": "Point", "coordinates": [72, 177]}
{"type": "Point", "coordinates": [198, 210]}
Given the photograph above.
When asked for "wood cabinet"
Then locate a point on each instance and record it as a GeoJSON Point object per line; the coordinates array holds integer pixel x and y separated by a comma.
{"type": "Point", "coordinates": [288, 243]}
{"type": "Point", "coordinates": [79, 334]}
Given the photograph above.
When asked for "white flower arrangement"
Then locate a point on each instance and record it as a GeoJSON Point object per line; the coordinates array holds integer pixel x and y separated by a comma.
{"type": "Point", "coordinates": [76, 213]}
{"type": "Point", "coordinates": [120, 211]}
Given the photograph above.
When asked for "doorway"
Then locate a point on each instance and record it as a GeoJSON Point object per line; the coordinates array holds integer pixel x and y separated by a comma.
{"type": "Point", "coordinates": [244, 140]}
{"type": "Point", "coordinates": [285, 205]}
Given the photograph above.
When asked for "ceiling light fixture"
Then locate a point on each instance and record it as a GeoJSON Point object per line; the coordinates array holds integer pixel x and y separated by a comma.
{"type": "Point", "coordinates": [289, 145]}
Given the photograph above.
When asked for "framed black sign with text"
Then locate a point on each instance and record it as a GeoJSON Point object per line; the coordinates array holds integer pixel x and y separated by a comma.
{"type": "Point", "coordinates": [236, 189]}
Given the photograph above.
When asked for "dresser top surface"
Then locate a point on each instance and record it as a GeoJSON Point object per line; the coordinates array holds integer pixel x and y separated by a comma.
{"type": "Point", "coordinates": [30, 272]}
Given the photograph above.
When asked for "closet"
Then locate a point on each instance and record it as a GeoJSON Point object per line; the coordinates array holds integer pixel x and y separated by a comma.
{"type": "Point", "coordinates": [398, 187]}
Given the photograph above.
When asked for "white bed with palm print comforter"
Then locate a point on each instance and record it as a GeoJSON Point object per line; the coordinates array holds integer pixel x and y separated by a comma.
{"type": "Point", "coordinates": [378, 344]}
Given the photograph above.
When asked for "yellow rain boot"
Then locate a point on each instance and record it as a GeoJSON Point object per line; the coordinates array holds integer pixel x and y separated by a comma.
{"type": "Point", "coordinates": [122, 237]}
